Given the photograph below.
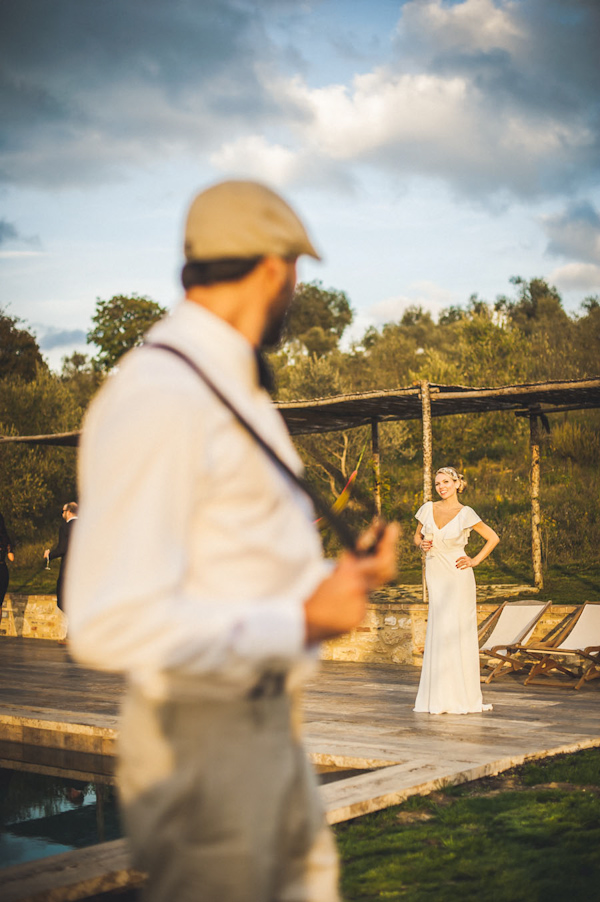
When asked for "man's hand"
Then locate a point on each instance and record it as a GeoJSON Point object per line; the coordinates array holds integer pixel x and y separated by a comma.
{"type": "Point", "coordinates": [340, 601]}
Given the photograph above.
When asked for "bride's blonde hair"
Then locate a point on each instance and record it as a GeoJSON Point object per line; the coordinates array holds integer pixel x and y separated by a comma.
{"type": "Point", "coordinates": [456, 476]}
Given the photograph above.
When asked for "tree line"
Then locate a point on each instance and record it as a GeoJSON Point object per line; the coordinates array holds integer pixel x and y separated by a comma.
{"type": "Point", "coordinates": [524, 336]}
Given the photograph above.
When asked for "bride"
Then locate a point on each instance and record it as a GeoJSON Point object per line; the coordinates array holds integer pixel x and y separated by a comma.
{"type": "Point", "coordinates": [450, 675]}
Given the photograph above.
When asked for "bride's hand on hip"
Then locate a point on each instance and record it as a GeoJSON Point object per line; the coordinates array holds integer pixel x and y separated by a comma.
{"type": "Point", "coordinates": [463, 563]}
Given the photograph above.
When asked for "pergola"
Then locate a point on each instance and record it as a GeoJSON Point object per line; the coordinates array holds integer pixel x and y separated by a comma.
{"type": "Point", "coordinates": [424, 401]}
{"type": "Point", "coordinates": [427, 400]}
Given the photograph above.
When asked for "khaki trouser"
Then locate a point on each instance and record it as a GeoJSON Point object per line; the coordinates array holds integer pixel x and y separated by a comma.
{"type": "Point", "coordinates": [221, 804]}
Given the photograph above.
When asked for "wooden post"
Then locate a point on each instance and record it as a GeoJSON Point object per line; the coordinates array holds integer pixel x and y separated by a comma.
{"type": "Point", "coordinates": [427, 442]}
{"type": "Point", "coordinates": [427, 462]}
{"type": "Point", "coordinates": [376, 464]}
{"type": "Point", "coordinates": [536, 519]}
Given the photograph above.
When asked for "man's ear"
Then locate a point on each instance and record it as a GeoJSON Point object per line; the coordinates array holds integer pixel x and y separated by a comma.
{"type": "Point", "coordinates": [275, 270]}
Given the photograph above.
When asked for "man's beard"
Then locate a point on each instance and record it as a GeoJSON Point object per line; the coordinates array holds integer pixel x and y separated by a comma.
{"type": "Point", "coordinates": [275, 325]}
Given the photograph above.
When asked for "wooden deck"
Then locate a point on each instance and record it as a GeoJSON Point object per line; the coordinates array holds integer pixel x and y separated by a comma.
{"type": "Point", "coordinates": [357, 716]}
{"type": "Point", "coordinates": [361, 716]}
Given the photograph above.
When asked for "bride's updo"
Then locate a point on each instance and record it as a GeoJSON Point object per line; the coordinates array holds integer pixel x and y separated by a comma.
{"type": "Point", "coordinates": [456, 476]}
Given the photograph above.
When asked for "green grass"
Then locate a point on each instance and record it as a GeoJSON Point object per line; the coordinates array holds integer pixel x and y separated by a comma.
{"type": "Point", "coordinates": [532, 833]}
{"type": "Point", "coordinates": [563, 584]}
{"type": "Point", "coordinates": [581, 769]}
{"type": "Point", "coordinates": [569, 583]}
{"type": "Point", "coordinates": [36, 580]}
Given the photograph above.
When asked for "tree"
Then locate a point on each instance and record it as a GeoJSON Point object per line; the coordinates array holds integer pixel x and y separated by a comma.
{"type": "Point", "coordinates": [120, 324]}
{"type": "Point", "coordinates": [587, 337]}
{"type": "Point", "coordinates": [591, 304]}
{"type": "Point", "coordinates": [20, 355]}
{"type": "Point", "coordinates": [317, 317]}
{"type": "Point", "coordinates": [450, 315]}
{"type": "Point", "coordinates": [538, 304]}
{"type": "Point", "coordinates": [81, 377]}
{"type": "Point", "coordinates": [35, 481]}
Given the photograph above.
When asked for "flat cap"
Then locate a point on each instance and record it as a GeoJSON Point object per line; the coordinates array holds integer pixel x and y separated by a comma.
{"type": "Point", "coordinates": [243, 219]}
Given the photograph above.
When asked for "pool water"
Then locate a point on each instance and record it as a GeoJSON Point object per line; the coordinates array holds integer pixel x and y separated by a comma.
{"type": "Point", "coordinates": [42, 815]}
{"type": "Point", "coordinates": [55, 800]}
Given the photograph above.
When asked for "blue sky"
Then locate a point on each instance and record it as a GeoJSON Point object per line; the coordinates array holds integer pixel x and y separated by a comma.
{"type": "Point", "coordinates": [434, 148]}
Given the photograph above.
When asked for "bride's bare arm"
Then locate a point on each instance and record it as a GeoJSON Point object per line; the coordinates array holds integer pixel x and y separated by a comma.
{"type": "Point", "coordinates": [418, 536]}
{"type": "Point", "coordinates": [491, 540]}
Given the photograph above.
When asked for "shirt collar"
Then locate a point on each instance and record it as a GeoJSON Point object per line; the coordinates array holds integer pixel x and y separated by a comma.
{"type": "Point", "coordinates": [228, 350]}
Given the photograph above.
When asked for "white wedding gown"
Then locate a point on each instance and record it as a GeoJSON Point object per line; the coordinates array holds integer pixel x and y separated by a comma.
{"type": "Point", "coordinates": [450, 675]}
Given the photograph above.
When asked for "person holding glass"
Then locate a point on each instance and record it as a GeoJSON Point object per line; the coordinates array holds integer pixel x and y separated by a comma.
{"type": "Point", "coordinates": [6, 551]}
{"type": "Point", "coordinates": [450, 676]}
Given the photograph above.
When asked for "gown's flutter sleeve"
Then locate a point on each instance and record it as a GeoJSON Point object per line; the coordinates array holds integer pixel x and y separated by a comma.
{"type": "Point", "coordinates": [469, 518]}
{"type": "Point", "coordinates": [421, 513]}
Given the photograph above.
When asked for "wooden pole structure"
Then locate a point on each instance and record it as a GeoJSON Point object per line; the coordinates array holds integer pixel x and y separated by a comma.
{"type": "Point", "coordinates": [427, 462]}
{"type": "Point", "coordinates": [536, 518]}
{"type": "Point", "coordinates": [376, 464]}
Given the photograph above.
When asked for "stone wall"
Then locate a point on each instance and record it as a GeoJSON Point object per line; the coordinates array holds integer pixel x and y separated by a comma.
{"type": "Point", "coordinates": [33, 617]}
{"type": "Point", "coordinates": [393, 631]}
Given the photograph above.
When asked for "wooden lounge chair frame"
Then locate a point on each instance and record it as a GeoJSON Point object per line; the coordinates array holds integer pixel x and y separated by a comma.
{"type": "Point", "coordinates": [505, 652]}
{"type": "Point", "coordinates": [543, 657]}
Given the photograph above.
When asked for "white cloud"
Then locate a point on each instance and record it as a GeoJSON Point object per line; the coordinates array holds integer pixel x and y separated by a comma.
{"type": "Point", "coordinates": [472, 100]}
{"type": "Point", "coordinates": [435, 125]}
{"type": "Point", "coordinates": [487, 95]}
{"type": "Point", "coordinates": [254, 157]}
{"type": "Point", "coordinates": [425, 294]}
{"type": "Point", "coordinates": [479, 25]}
{"type": "Point", "coordinates": [380, 110]}
{"type": "Point", "coordinates": [576, 276]}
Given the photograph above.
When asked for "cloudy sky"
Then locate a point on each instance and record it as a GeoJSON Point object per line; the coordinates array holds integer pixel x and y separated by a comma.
{"type": "Point", "coordinates": [435, 147]}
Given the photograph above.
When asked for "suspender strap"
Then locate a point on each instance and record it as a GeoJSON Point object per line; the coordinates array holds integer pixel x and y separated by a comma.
{"type": "Point", "coordinates": [344, 533]}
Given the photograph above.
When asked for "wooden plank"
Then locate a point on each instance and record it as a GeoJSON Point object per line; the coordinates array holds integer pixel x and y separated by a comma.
{"type": "Point", "coordinates": [364, 794]}
{"type": "Point", "coordinates": [72, 875]}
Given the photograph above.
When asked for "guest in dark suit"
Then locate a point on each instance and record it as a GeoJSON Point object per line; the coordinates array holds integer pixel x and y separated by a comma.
{"type": "Point", "coordinates": [6, 551]}
{"type": "Point", "coordinates": [69, 515]}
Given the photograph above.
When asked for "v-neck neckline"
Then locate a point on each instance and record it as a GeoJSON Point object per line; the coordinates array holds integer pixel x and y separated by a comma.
{"type": "Point", "coordinates": [439, 528]}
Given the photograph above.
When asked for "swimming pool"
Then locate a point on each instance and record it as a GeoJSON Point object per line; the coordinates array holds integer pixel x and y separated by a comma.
{"type": "Point", "coordinates": [53, 801]}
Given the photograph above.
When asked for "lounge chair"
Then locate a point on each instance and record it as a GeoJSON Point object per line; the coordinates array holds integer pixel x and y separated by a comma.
{"type": "Point", "coordinates": [513, 625]}
{"type": "Point", "coordinates": [580, 639]}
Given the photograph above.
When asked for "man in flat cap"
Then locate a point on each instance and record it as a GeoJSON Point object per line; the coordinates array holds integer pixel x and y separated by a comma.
{"type": "Point", "coordinates": [197, 570]}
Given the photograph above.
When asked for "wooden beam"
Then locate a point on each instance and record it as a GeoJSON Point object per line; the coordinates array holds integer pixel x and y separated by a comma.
{"type": "Point", "coordinates": [534, 486]}
{"type": "Point", "coordinates": [376, 465]}
{"type": "Point", "coordinates": [564, 409]}
{"type": "Point", "coordinates": [506, 391]}
{"type": "Point", "coordinates": [427, 461]}
{"type": "Point", "coordinates": [65, 439]}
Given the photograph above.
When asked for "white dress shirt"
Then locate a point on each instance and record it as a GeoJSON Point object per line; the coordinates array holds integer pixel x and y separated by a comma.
{"type": "Point", "coordinates": [193, 554]}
